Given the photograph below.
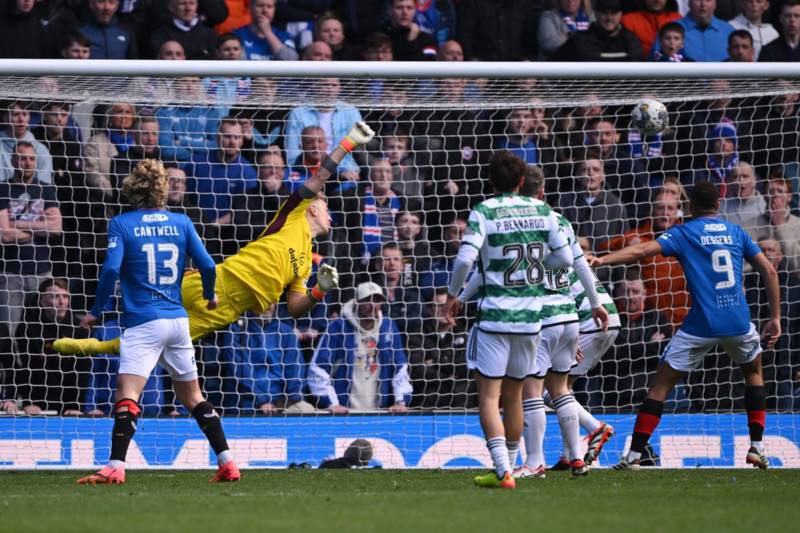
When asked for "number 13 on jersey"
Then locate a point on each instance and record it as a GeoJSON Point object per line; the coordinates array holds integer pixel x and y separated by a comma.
{"type": "Point", "coordinates": [170, 263]}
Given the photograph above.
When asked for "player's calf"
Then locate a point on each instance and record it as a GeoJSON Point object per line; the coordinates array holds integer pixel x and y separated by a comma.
{"type": "Point", "coordinates": [126, 414]}
{"type": "Point", "coordinates": [755, 403]}
{"type": "Point", "coordinates": [211, 426]}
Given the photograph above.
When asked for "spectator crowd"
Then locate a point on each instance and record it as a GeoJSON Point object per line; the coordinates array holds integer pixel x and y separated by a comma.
{"type": "Point", "coordinates": [400, 206]}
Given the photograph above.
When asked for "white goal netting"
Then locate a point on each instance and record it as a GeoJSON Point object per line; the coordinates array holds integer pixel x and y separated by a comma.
{"type": "Point", "coordinates": [399, 208]}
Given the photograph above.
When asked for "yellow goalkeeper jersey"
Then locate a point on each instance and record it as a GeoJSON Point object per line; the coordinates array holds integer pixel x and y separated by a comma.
{"type": "Point", "coordinates": [280, 256]}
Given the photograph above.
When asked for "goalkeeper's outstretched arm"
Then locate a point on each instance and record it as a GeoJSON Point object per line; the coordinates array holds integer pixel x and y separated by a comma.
{"type": "Point", "coordinates": [299, 304]}
{"type": "Point", "coordinates": [358, 135]}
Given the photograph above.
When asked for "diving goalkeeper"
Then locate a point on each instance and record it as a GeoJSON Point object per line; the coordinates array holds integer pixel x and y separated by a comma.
{"type": "Point", "coordinates": [255, 278]}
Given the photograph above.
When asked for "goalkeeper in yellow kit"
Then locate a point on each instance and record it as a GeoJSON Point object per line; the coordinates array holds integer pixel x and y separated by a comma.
{"type": "Point", "coordinates": [256, 277]}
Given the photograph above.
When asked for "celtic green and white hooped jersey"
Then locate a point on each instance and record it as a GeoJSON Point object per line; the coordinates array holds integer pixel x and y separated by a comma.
{"type": "Point", "coordinates": [558, 305]}
{"type": "Point", "coordinates": [513, 235]}
{"type": "Point", "coordinates": [587, 324]}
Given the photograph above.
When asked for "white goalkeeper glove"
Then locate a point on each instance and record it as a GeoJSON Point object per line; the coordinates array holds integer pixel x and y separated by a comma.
{"type": "Point", "coordinates": [358, 135]}
{"type": "Point", "coordinates": [327, 279]}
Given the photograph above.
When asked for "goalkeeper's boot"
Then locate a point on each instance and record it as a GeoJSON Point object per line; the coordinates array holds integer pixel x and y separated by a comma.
{"type": "Point", "coordinates": [624, 464]}
{"type": "Point", "coordinates": [106, 476]}
{"type": "Point", "coordinates": [526, 471]}
{"type": "Point", "coordinates": [597, 439]}
{"type": "Point", "coordinates": [91, 346]}
{"type": "Point", "coordinates": [491, 480]}
{"type": "Point", "coordinates": [757, 459]}
{"type": "Point", "coordinates": [561, 466]}
{"type": "Point", "coordinates": [227, 472]}
{"type": "Point", "coordinates": [578, 468]}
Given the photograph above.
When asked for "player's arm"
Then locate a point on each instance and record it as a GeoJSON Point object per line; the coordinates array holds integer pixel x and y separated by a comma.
{"type": "Point", "coordinates": [108, 274]}
{"type": "Point", "coordinates": [587, 279]}
{"type": "Point", "coordinates": [470, 248]}
{"type": "Point", "coordinates": [471, 288]}
{"type": "Point", "coordinates": [772, 329]}
{"type": "Point", "coordinates": [629, 254]}
{"type": "Point", "coordinates": [300, 301]}
{"type": "Point", "coordinates": [358, 135]}
{"type": "Point", "coordinates": [204, 263]}
{"type": "Point", "coordinates": [560, 254]}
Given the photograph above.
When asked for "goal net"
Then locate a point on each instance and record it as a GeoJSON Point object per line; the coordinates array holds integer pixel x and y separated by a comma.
{"type": "Point", "coordinates": [235, 147]}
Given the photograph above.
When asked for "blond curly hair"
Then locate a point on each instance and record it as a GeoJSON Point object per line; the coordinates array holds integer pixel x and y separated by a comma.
{"type": "Point", "coordinates": [147, 186]}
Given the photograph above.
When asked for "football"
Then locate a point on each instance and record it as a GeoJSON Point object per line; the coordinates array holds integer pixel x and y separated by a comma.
{"type": "Point", "coordinates": [650, 117]}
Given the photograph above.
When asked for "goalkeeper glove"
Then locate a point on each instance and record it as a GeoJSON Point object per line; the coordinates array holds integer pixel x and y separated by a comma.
{"type": "Point", "coordinates": [358, 135]}
{"type": "Point", "coordinates": [327, 279]}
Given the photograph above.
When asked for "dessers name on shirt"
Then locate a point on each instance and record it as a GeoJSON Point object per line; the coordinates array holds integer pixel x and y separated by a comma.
{"type": "Point", "coordinates": [156, 231]}
{"type": "Point", "coordinates": [516, 224]}
{"type": "Point", "coordinates": [710, 240]}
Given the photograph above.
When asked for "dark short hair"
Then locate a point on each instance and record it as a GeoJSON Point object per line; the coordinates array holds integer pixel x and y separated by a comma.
{"type": "Point", "coordinates": [581, 155]}
{"type": "Point", "coordinates": [592, 123]}
{"type": "Point", "coordinates": [27, 144]}
{"type": "Point", "coordinates": [76, 37]}
{"type": "Point", "coordinates": [704, 196]}
{"type": "Point", "coordinates": [9, 104]}
{"type": "Point", "coordinates": [417, 214]}
{"type": "Point", "coordinates": [55, 105]}
{"type": "Point", "coordinates": [376, 40]}
{"type": "Point", "coordinates": [784, 182]}
{"type": "Point", "coordinates": [230, 121]}
{"type": "Point", "coordinates": [790, 3]}
{"type": "Point", "coordinates": [325, 17]}
{"type": "Point", "coordinates": [533, 182]}
{"type": "Point", "coordinates": [399, 132]}
{"type": "Point", "coordinates": [671, 26]}
{"type": "Point", "coordinates": [391, 245]}
{"type": "Point", "coordinates": [53, 282]}
{"type": "Point", "coordinates": [740, 34]}
{"type": "Point", "coordinates": [308, 129]}
{"type": "Point", "coordinates": [505, 171]}
{"type": "Point", "coordinates": [225, 37]}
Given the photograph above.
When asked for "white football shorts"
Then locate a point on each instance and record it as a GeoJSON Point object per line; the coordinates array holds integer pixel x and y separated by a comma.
{"type": "Point", "coordinates": [557, 349]}
{"type": "Point", "coordinates": [500, 355]}
{"type": "Point", "coordinates": [594, 346]}
{"type": "Point", "coordinates": [685, 352]}
{"type": "Point", "coordinates": [166, 341]}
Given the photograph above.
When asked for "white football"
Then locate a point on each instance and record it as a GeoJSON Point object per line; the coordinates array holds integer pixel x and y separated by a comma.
{"type": "Point", "coordinates": [650, 117]}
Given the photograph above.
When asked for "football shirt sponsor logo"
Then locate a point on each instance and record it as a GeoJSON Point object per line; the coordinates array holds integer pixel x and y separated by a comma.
{"type": "Point", "coordinates": [154, 217]}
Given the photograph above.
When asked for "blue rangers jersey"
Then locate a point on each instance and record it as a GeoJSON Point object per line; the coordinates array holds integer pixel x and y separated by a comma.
{"type": "Point", "coordinates": [147, 250]}
{"type": "Point", "coordinates": [711, 251]}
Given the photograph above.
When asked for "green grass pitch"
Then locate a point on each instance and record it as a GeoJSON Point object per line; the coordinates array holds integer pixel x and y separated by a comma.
{"type": "Point", "coordinates": [408, 501]}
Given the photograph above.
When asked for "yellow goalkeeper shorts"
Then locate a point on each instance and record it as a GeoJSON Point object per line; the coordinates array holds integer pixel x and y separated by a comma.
{"type": "Point", "coordinates": [234, 299]}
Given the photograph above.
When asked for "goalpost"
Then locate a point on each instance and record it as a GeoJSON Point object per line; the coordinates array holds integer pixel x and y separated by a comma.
{"type": "Point", "coordinates": [399, 207]}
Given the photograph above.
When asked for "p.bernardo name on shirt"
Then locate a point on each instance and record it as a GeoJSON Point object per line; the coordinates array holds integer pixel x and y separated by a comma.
{"type": "Point", "coordinates": [155, 231]}
{"type": "Point", "coordinates": [516, 224]}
